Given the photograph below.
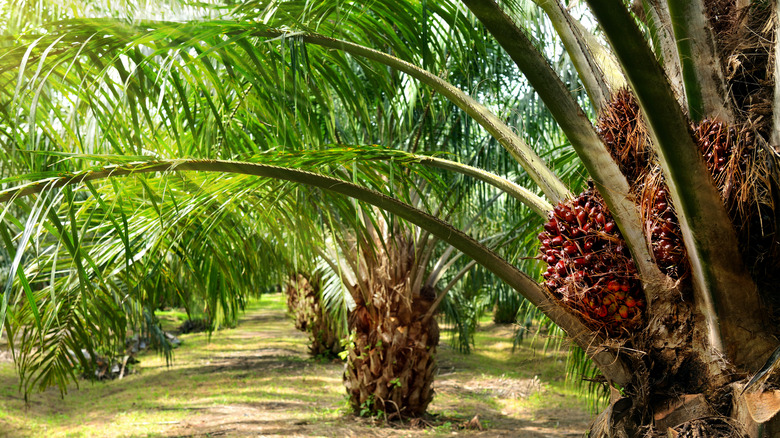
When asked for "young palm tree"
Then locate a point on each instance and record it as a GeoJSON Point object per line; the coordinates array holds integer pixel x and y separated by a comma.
{"type": "Point", "coordinates": [684, 162]}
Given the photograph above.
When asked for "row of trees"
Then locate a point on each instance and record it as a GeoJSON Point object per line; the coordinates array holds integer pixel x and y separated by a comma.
{"type": "Point", "coordinates": [138, 149]}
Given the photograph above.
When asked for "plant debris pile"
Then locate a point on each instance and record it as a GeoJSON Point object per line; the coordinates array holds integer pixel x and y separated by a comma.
{"type": "Point", "coordinates": [196, 325]}
{"type": "Point", "coordinates": [708, 427]}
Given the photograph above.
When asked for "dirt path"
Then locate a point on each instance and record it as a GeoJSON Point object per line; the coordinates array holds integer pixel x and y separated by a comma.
{"type": "Point", "coordinates": [256, 380]}
{"type": "Point", "coordinates": [456, 389]}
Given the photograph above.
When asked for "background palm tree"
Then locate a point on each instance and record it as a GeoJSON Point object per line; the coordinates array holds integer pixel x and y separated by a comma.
{"type": "Point", "coordinates": [306, 306]}
{"type": "Point", "coordinates": [161, 93]}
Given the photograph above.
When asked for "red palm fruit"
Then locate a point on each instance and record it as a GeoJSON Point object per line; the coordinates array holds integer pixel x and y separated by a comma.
{"type": "Point", "coordinates": [623, 311]}
{"type": "Point", "coordinates": [588, 264]}
{"type": "Point", "coordinates": [588, 258]}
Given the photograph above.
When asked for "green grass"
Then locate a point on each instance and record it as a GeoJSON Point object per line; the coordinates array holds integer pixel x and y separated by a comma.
{"type": "Point", "coordinates": [260, 370]}
{"type": "Point", "coordinates": [171, 319]}
{"type": "Point", "coordinates": [493, 359]}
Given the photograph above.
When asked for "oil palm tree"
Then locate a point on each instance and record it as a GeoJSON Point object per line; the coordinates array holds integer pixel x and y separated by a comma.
{"type": "Point", "coordinates": [681, 164]}
{"type": "Point", "coordinates": [396, 278]}
{"type": "Point", "coordinates": [305, 304]}
{"type": "Point", "coordinates": [393, 275]}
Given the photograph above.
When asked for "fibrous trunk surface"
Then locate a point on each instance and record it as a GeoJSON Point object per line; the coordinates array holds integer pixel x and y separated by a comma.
{"type": "Point", "coordinates": [391, 363]}
{"type": "Point", "coordinates": [304, 304]}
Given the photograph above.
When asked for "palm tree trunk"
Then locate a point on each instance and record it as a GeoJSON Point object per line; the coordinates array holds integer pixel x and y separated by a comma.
{"type": "Point", "coordinates": [304, 304]}
{"type": "Point", "coordinates": [392, 359]}
{"type": "Point", "coordinates": [392, 356]}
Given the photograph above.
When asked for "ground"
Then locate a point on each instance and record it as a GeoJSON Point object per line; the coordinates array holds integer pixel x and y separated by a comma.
{"type": "Point", "coordinates": [256, 380]}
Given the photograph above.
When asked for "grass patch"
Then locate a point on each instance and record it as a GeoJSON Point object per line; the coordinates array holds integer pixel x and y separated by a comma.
{"type": "Point", "coordinates": [257, 379]}
{"type": "Point", "coordinates": [171, 319]}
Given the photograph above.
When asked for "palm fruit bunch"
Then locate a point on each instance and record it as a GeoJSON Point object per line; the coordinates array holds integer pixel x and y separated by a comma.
{"type": "Point", "coordinates": [589, 267]}
{"type": "Point", "coordinates": [624, 133]}
{"type": "Point", "coordinates": [740, 171]}
{"type": "Point", "coordinates": [625, 136]}
{"type": "Point", "coordinates": [662, 226]}
{"type": "Point", "coordinates": [717, 143]}
{"type": "Point", "coordinates": [728, 153]}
